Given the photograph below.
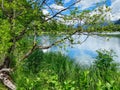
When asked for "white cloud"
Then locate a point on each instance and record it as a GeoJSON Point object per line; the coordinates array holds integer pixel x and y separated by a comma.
{"type": "Point", "coordinates": [45, 12]}
{"type": "Point", "coordinates": [94, 43]}
{"type": "Point", "coordinates": [115, 9]}
{"type": "Point", "coordinates": [87, 3]}
{"type": "Point", "coordinates": [84, 59]}
{"type": "Point", "coordinates": [115, 16]}
{"type": "Point", "coordinates": [66, 1]}
{"type": "Point", "coordinates": [56, 7]}
{"type": "Point", "coordinates": [84, 4]}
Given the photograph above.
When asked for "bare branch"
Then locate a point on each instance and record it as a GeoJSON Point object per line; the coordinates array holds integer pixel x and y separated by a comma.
{"type": "Point", "coordinates": [62, 40]}
{"type": "Point", "coordinates": [83, 40]}
{"type": "Point", "coordinates": [62, 10]}
{"type": "Point", "coordinates": [49, 7]}
{"type": "Point", "coordinates": [29, 52]}
{"type": "Point", "coordinates": [43, 2]}
{"type": "Point", "coordinates": [59, 41]}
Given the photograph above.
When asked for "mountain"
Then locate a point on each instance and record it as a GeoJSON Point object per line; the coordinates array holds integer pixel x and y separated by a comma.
{"type": "Point", "coordinates": [117, 21]}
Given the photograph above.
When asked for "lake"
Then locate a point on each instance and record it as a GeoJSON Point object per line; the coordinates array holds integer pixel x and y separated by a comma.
{"type": "Point", "coordinates": [85, 53]}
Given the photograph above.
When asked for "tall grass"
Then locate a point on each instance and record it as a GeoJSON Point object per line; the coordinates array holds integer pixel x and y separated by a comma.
{"type": "Point", "coordinates": [55, 71]}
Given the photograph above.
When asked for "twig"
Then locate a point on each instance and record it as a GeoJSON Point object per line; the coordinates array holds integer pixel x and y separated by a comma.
{"type": "Point", "coordinates": [43, 2]}
{"type": "Point", "coordinates": [49, 7]}
{"type": "Point", "coordinates": [62, 10]}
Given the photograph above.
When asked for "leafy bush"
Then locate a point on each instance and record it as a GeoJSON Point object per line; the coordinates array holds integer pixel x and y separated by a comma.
{"type": "Point", "coordinates": [104, 60]}
{"type": "Point", "coordinates": [105, 70]}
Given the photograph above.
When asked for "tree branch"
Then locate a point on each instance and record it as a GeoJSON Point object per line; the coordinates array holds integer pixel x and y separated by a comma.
{"type": "Point", "coordinates": [29, 52]}
{"type": "Point", "coordinates": [62, 40]}
{"type": "Point", "coordinates": [22, 33]}
{"type": "Point", "coordinates": [49, 46]}
{"type": "Point", "coordinates": [43, 2]}
{"type": "Point", "coordinates": [49, 7]}
{"type": "Point", "coordinates": [62, 10]}
{"type": "Point", "coordinates": [83, 40]}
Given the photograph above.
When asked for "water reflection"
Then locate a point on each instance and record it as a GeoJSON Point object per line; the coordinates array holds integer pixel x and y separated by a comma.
{"type": "Point", "coordinates": [84, 53]}
{"type": "Point", "coordinates": [87, 51]}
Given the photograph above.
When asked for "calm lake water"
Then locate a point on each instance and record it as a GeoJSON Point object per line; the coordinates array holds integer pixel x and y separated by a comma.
{"type": "Point", "coordinates": [85, 53]}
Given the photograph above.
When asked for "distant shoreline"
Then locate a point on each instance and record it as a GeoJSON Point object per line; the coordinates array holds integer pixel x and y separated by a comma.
{"type": "Point", "coordinates": [111, 34]}
{"type": "Point", "coordinates": [102, 33]}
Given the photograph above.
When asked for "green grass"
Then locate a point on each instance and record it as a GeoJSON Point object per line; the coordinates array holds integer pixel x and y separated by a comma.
{"type": "Point", "coordinates": [55, 71]}
{"type": "Point", "coordinates": [2, 87]}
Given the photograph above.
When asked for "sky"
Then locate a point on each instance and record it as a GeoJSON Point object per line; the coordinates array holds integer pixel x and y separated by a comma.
{"type": "Point", "coordinates": [88, 4]}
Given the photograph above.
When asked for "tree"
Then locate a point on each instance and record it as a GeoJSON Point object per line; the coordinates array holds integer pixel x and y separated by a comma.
{"type": "Point", "coordinates": [21, 22]}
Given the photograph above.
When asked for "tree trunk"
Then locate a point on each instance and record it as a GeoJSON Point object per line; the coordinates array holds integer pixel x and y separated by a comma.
{"type": "Point", "coordinates": [4, 74]}
{"type": "Point", "coordinates": [6, 79]}
{"type": "Point", "coordinates": [5, 70]}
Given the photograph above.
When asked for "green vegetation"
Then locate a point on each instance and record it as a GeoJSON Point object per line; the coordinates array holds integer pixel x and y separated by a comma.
{"type": "Point", "coordinates": [55, 71]}
{"type": "Point", "coordinates": [2, 87]}
{"type": "Point", "coordinates": [22, 22]}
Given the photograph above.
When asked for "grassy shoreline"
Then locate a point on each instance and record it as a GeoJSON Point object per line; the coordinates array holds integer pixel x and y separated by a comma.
{"type": "Point", "coordinates": [55, 71]}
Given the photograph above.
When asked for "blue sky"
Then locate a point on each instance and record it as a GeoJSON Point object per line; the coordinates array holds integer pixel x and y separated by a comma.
{"type": "Point", "coordinates": [84, 4]}
{"type": "Point", "coordinates": [88, 4]}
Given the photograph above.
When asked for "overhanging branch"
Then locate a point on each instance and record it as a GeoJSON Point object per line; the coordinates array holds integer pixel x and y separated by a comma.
{"type": "Point", "coordinates": [62, 10]}
{"type": "Point", "coordinates": [49, 46]}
